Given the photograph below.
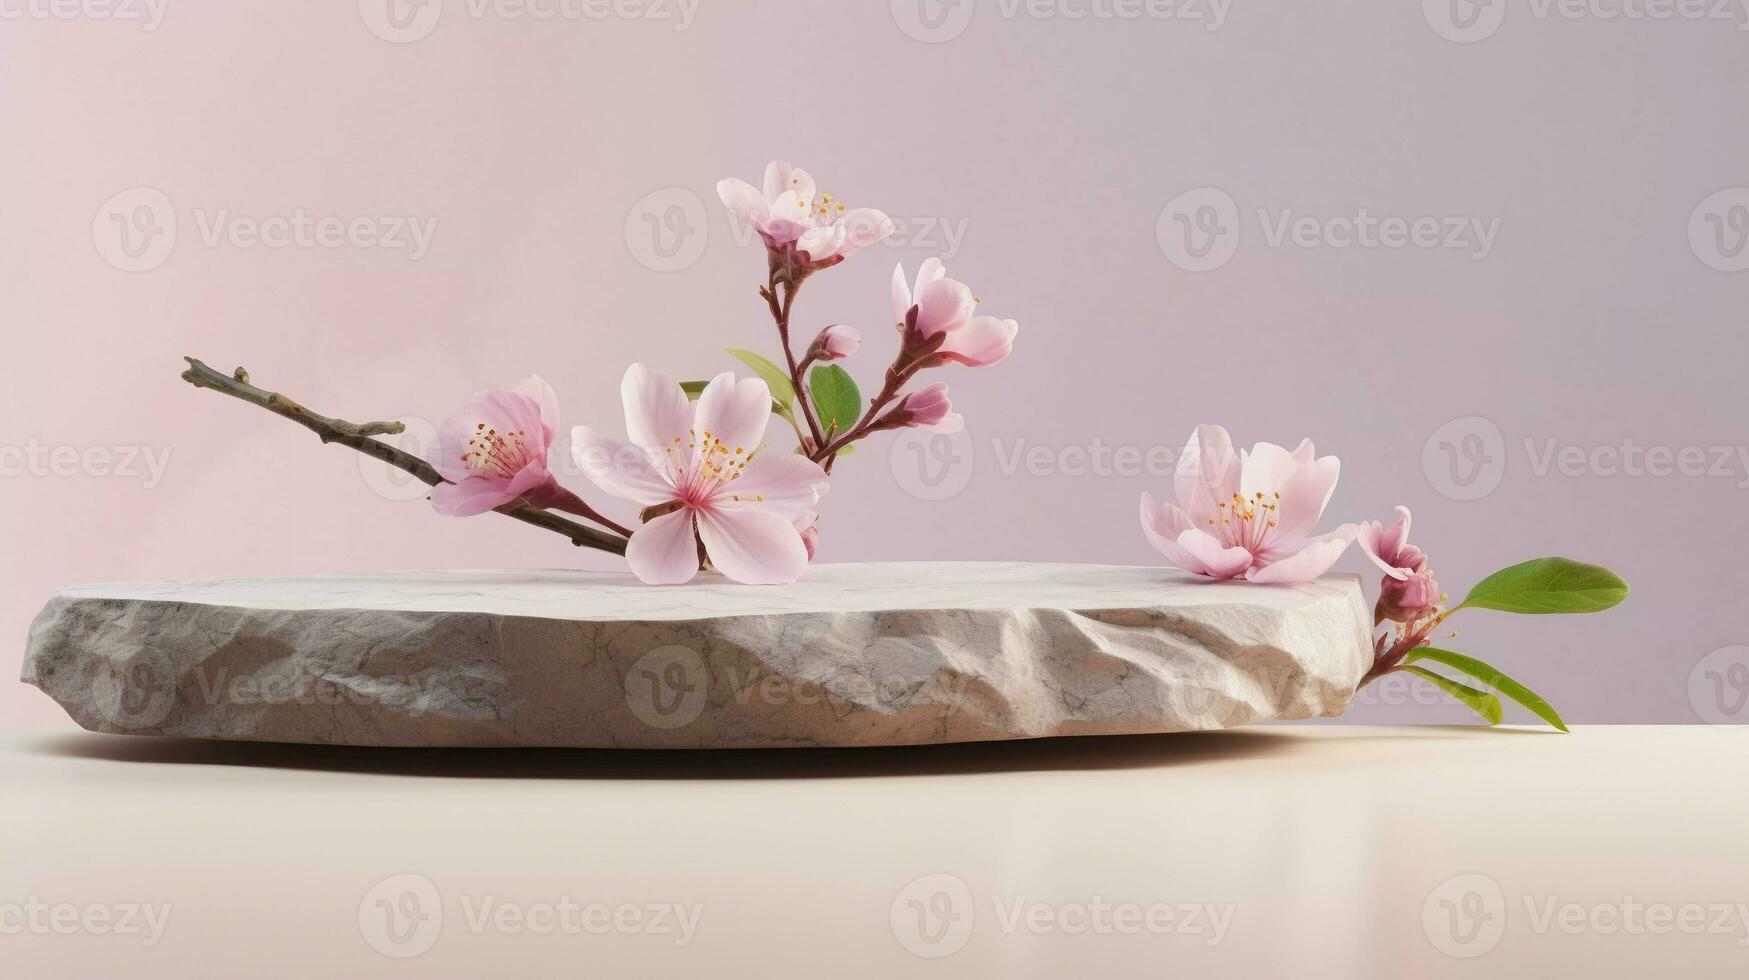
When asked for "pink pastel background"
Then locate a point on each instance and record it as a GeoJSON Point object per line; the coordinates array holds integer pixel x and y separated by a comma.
{"type": "Point", "coordinates": [1052, 143]}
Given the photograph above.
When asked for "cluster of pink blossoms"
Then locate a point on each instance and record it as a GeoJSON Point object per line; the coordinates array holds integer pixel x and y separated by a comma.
{"type": "Point", "coordinates": [710, 492]}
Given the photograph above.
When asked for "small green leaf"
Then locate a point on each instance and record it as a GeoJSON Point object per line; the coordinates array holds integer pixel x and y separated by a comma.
{"type": "Point", "coordinates": [1548, 585]}
{"type": "Point", "coordinates": [776, 378]}
{"type": "Point", "coordinates": [1481, 702]}
{"type": "Point", "coordinates": [1494, 679]}
{"type": "Point", "coordinates": [847, 450]}
{"type": "Point", "coordinates": [836, 397]}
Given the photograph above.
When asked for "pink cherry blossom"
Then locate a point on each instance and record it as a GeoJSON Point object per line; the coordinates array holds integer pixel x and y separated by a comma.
{"type": "Point", "coordinates": [496, 451]}
{"type": "Point", "coordinates": [703, 469]}
{"type": "Point", "coordinates": [815, 230]}
{"type": "Point", "coordinates": [1247, 514]}
{"type": "Point", "coordinates": [935, 314]}
{"type": "Point", "coordinates": [1390, 548]}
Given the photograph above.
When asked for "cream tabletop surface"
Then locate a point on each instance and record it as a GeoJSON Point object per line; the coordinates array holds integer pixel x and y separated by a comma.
{"type": "Point", "coordinates": [1309, 850]}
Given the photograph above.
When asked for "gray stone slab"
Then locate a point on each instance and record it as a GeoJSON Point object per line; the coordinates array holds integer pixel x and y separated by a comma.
{"type": "Point", "coordinates": [854, 654]}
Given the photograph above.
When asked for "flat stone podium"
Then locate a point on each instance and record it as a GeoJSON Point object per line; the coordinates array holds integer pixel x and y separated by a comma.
{"type": "Point", "coordinates": [853, 655]}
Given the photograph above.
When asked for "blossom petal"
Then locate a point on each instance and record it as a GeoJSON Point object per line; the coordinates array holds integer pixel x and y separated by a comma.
{"type": "Point", "coordinates": [901, 295]}
{"type": "Point", "coordinates": [622, 470]}
{"type": "Point", "coordinates": [1207, 473]}
{"type": "Point", "coordinates": [823, 242]}
{"type": "Point", "coordinates": [757, 547]}
{"type": "Point", "coordinates": [983, 340]}
{"type": "Point", "coordinates": [1221, 562]}
{"type": "Point", "coordinates": [1375, 541]}
{"type": "Point", "coordinates": [789, 484]}
{"type": "Point", "coordinates": [658, 413]}
{"type": "Point", "coordinates": [1162, 526]}
{"type": "Point", "coordinates": [789, 218]}
{"type": "Point", "coordinates": [931, 270]}
{"type": "Point", "coordinates": [475, 495]}
{"type": "Point", "coordinates": [663, 552]}
{"type": "Point", "coordinates": [733, 414]}
{"type": "Point", "coordinates": [863, 227]}
{"type": "Point", "coordinates": [943, 305]}
{"type": "Point", "coordinates": [744, 201]}
{"type": "Point", "coordinates": [1305, 485]}
{"type": "Point", "coordinates": [781, 178]}
{"type": "Point", "coordinates": [546, 402]}
{"type": "Point", "coordinates": [1312, 558]}
{"type": "Point", "coordinates": [776, 179]}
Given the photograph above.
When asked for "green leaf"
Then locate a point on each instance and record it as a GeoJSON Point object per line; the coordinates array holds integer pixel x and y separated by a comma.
{"type": "Point", "coordinates": [775, 377]}
{"type": "Point", "coordinates": [836, 397]}
{"type": "Point", "coordinates": [1494, 679]}
{"type": "Point", "coordinates": [1548, 585]}
{"type": "Point", "coordinates": [1481, 702]}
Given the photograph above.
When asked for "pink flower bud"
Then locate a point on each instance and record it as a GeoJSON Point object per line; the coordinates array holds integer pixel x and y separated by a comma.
{"type": "Point", "coordinates": [1408, 600]}
{"type": "Point", "coordinates": [929, 408]}
{"type": "Point", "coordinates": [835, 343]}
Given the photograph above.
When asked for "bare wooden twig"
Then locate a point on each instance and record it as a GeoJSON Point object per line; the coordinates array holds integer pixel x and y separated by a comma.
{"type": "Point", "coordinates": [357, 436]}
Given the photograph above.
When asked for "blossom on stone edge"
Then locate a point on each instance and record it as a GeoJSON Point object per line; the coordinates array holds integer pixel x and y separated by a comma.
{"type": "Point", "coordinates": [1247, 514]}
{"type": "Point", "coordinates": [496, 451]}
{"type": "Point", "coordinates": [701, 470]}
{"type": "Point", "coordinates": [1408, 593]}
{"type": "Point", "coordinates": [935, 316]}
{"type": "Point", "coordinates": [812, 230]}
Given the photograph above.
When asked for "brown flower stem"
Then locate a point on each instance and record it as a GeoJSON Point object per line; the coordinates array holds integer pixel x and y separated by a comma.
{"type": "Point", "coordinates": [780, 313]}
{"type": "Point", "coordinates": [357, 436]}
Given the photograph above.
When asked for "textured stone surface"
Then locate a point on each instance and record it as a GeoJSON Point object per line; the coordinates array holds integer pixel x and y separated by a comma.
{"type": "Point", "coordinates": [873, 654]}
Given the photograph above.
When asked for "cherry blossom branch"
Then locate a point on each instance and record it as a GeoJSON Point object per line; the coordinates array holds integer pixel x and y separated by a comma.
{"type": "Point", "coordinates": [914, 355]}
{"type": "Point", "coordinates": [780, 313]}
{"type": "Point", "coordinates": [357, 436]}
